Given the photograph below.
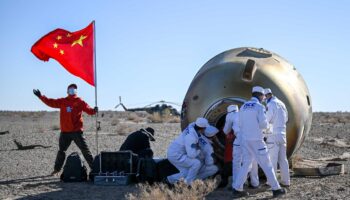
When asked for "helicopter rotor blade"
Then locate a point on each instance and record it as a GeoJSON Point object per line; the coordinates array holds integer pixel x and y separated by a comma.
{"type": "Point", "coordinates": [163, 102]}
{"type": "Point", "coordinates": [124, 107]}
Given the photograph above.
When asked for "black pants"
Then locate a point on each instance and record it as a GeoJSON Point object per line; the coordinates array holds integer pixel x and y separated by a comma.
{"type": "Point", "coordinates": [65, 141]}
{"type": "Point", "coordinates": [226, 170]}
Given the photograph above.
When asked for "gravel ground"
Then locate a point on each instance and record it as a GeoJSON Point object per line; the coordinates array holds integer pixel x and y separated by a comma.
{"type": "Point", "coordinates": [24, 173]}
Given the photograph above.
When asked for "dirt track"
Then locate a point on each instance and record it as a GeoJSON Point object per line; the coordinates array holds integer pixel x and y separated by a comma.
{"type": "Point", "coordinates": [24, 174]}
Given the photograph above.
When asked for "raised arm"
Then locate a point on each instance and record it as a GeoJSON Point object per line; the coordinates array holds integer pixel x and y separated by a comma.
{"type": "Point", "coordinates": [54, 103]}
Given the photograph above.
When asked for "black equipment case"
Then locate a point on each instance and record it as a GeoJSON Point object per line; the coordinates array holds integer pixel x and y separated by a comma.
{"type": "Point", "coordinates": [116, 168]}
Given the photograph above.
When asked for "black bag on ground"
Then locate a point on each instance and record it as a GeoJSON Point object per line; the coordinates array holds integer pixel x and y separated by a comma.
{"type": "Point", "coordinates": [95, 168]}
{"type": "Point", "coordinates": [74, 169]}
{"type": "Point", "coordinates": [164, 169]}
{"type": "Point", "coordinates": [146, 170]}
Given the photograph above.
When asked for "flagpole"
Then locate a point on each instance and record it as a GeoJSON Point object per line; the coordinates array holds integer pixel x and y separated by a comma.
{"type": "Point", "coordinates": [95, 85]}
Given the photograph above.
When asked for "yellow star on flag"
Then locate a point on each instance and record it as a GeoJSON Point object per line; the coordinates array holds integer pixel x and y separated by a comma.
{"type": "Point", "coordinates": [61, 52]}
{"type": "Point", "coordinates": [59, 37]}
{"type": "Point", "coordinates": [68, 34]}
{"type": "Point", "coordinates": [79, 41]}
{"type": "Point", "coordinates": [55, 45]}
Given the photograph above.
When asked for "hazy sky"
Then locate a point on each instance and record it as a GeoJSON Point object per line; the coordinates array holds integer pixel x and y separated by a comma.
{"type": "Point", "coordinates": [150, 50]}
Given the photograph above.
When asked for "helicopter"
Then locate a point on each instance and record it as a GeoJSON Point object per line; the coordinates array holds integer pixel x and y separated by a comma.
{"type": "Point", "coordinates": [162, 107]}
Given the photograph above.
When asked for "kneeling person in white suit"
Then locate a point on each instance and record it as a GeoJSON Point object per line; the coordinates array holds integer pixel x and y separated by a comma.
{"type": "Point", "coordinates": [183, 152]}
{"type": "Point", "coordinates": [208, 167]}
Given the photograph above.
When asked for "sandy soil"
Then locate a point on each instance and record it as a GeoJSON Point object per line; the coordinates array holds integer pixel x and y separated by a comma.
{"type": "Point", "coordinates": [24, 173]}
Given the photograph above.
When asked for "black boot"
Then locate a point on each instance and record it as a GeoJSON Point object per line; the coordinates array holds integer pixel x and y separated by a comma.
{"type": "Point", "coordinates": [166, 181]}
{"type": "Point", "coordinates": [279, 192]}
{"type": "Point", "coordinates": [239, 194]}
{"type": "Point", "coordinates": [224, 182]}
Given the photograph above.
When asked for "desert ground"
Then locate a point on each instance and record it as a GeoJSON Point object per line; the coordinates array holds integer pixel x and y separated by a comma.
{"type": "Point", "coordinates": [24, 174]}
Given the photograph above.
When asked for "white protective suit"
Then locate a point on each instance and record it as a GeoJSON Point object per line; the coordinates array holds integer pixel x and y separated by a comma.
{"type": "Point", "coordinates": [232, 123]}
{"type": "Point", "coordinates": [208, 167]}
{"type": "Point", "coordinates": [252, 120]}
{"type": "Point", "coordinates": [277, 116]}
{"type": "Point", "coordinates": [183, 153]}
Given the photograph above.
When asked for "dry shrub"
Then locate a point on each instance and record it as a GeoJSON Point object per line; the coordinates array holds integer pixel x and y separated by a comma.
{"type": "Point", "coordinates": [39, 114]}
{"type": "Point", "coordinates": [134, 117]}
{"type": "Point", "coordinates": [344, 119]}
{"type": "Point", "coordinates": [333, 118]}
{"type": "Point", "coordinates": [115, 122]}
{"type": "Point", "coordinates": [199, 189]}
{"type": "Point", "coordinates": [123, 129]}
{"type": "Point", "coordinates": [25, 114]}
{"type": "Point", "coordinates": [33, 115]}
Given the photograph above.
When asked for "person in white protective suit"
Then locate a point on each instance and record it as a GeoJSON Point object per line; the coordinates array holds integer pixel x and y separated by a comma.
{"type": "Point", "coordinates": [252, 120]}
{"type": "Point", "coordinates": [232, 124]}
{"type": "Point", "coordinates": [277, 116]}
{"type": "Point", "coordinates": [206, 156]}
{"type": "Point", "coordinates": [183, 152]}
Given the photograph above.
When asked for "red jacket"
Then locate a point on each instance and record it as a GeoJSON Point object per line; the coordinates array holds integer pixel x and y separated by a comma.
{"type": "Point", "coordinates": [71, 108]}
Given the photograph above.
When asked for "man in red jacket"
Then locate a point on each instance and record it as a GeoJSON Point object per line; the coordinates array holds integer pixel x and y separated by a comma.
{"type": "Point", "coordinates": [71, 122]}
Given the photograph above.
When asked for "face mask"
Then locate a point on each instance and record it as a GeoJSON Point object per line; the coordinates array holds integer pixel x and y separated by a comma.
{"type": "Point", "coordinates": [72, 91]}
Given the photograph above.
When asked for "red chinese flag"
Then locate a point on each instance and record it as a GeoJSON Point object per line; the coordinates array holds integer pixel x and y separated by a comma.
{"type": "Point", "coordinates": [73, 50]}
